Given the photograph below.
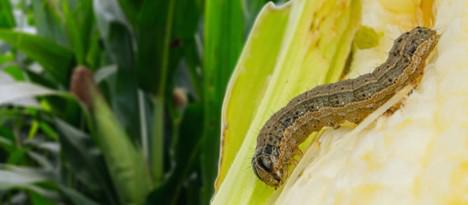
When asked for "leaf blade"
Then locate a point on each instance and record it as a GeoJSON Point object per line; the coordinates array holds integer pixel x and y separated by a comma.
{"type": "Point", "coordinates": [7, 20]}
{"type": "Point", "coordinates": [223, 40]}
{"type": "Point", "coordinates": [269, 30]}
{"type": "Point", "coordinates": [55, 59]}
{"type": "Point", "coordinates": [13, 92]}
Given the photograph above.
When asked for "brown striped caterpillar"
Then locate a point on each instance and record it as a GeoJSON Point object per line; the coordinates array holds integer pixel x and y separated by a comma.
{"type": "Point", "coordinates": [332, 104]}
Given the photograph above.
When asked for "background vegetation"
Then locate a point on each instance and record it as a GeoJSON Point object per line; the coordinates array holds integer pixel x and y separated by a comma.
{"type": "Point", "coordinates": [144, 128]}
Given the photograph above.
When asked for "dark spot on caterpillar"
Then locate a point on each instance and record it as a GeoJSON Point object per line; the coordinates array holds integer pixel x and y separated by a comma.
{"type": "Point", "coordinates": [268, 149]}
{"type": "Point", "coordinates": [412, 50]}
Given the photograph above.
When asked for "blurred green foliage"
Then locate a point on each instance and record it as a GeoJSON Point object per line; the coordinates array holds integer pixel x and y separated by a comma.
{"type": "Point", "coordinates": [151, 135]}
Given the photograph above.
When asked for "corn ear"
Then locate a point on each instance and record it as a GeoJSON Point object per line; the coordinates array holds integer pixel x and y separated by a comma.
{"type": "Point", "coordinates": [417, 155]}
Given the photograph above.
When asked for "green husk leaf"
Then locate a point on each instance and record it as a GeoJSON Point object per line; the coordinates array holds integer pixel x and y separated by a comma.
{"type": "Point", "coordinates": [126, 164]}
{"type": "Point", "coordinates": [250, 80]}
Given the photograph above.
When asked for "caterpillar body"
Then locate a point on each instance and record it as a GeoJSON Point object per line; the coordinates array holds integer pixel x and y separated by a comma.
{"type": "Point", "coordinates": [332, 104]}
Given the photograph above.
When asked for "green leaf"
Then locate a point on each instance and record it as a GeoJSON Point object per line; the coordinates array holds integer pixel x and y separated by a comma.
{"type": "Point", "coordinates": [7, 138]}
{"type": "Point", "coordinates": [76, 197]}
{"type": "Point", "coordinates": [153, 34]}
{"type": "Point", "coordinates": [15, 71]}
{"type": "Point", "coordinates": [183, 44]}
{"type": "Point", "coordinates": [56, 60]}
{"type": "Point", "coordinates": [156, 142]}
{"type": "Point", "coordinates": [17, 156]}
{"type": "Point", "coordinates": [185, 48]}
{"type": "Point", "coordinates": [7, 20]}
{"type": "Point", "coordinates": [48, 131]}
{"type": "Point", "coordinates": [79, 23]}
{"type": "Point", "coordinates": [86, 161]}
{"type": "Point", "coordinates": [95, 50]}
{"type": "Point", "coordinates": [316, 41]}
{"type": "Point", "coordinates": [119, 42]}
{"type": "Point", "coordinates": [249, 83]}
{"type": "Point", "coordinates": [48, 22]}
{"type": "Point", "coordinates": [12, 92]}
{"type": "Point", "coordinates": [37, 199]}
{"type": "Point", "coordinates": [127, 166]}
{"type": "Point", "coordinates": [224, 37]}
{"type": "Point", "coordinates": [7, 57]}
{"type": "Point", "coordinates": [115, 32]}
{"type": "Point", "coordinates": [131, 8]}
{"type": "Point", "coordinates": [15, 177]}
{"type": "Point", "coordinates": [186, 151]}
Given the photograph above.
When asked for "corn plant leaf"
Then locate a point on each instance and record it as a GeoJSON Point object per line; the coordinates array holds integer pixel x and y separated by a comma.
{"type": "Point", "coordinates": [15, 177]}
{"type": "Point", "coordinates": [153, 34]}
{"type": "Point", "coordinates": [131, 9]}
{"type": "Point", "coordinates": [48, 21]}
{"type": "Point", "coordinates": [55, 59]}
{"type": "Point", "coordinates": [14, 93]}
{"type": "Point", "coordinates": [119, 43]}
{"type": "Point", "coordinates": [19, 178]}
{"type": "Point", "coordinates": [7, 20]}
{"type": "Point", "coordinates": [76, 197]}
{"type": "Point", "coordinates": [186, 151]}
{"type": "Point", "coordinates": [79, 24]}
{"type": "Point", "coordinates": [223, 40]}
{"type": "Point", "coordinates": [316, 41]}
{"type": "Point", "coordinates": [86, 160]}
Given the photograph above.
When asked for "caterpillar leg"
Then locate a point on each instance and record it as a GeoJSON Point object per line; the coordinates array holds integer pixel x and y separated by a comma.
{"type": "Point", "coordinates": [393, 109]}
{"type": "Point", "coordinates": [298, 152]}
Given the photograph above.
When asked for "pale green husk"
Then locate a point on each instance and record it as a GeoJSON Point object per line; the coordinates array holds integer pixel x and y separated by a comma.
{"type": "Point", "coordinates": [291, 48]}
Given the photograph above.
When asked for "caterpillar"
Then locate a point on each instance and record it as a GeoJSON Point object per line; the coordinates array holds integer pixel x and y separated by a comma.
{"type": "Point", "coordinates": [332, 104]}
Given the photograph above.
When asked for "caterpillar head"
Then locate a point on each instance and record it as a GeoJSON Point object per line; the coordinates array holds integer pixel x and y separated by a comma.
{"type": "Point", "coordinates": [265, 169]}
